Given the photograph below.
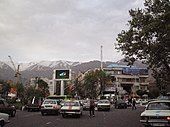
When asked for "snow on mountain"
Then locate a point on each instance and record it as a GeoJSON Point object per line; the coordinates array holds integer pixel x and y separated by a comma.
{"type": "Point", "coordinates": [41, 64]}
{"type": "Point", "coordinates": [60, 63]}
{"type": "Point", "coordinates": [6, 72]}
{"type": "Point", "coordinates": [24, 66]}
{"type": "Point", "coordinates": [3, 65]}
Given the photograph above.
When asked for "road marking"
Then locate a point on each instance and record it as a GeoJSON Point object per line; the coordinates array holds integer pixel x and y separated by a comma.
{"type": "Point", "coordinates": [29, 115]}
{"type": "Point", "coordinates": [48, 123]}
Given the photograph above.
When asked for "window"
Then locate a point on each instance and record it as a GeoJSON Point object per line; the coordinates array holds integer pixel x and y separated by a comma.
{"type": "Point", "coordinates": [159, 106]}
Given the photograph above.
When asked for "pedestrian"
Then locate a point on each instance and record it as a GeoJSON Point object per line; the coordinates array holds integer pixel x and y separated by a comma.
{"type": "Point", "coordinates": [133, 104]}
{"type": "Point", "coordinates": [92, 107]}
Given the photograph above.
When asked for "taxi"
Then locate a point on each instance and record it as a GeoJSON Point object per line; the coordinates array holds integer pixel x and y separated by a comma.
{"type": "Point", "coordinates": [50, 106]}
{"type": "Point", "coordinates": [71, 108]}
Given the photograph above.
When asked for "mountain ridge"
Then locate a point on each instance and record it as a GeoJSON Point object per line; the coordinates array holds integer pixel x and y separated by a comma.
{"type": "Point", "coordinates": [45, 68]}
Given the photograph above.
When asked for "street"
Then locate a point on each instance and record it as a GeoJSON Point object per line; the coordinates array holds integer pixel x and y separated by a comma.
{"type": "Point", "coordinates": [113, 118]}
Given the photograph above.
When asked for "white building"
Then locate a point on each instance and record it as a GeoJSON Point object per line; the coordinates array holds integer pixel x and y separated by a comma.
{"type": "Point", "coordinates": [129, 78]}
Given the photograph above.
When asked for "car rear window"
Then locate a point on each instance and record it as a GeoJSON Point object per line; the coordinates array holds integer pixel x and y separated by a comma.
{"type": "Point", "coordinates": [71, 104]}
{"type": "Point", "coordinates": [103, 101]}
{"type": "Point", "coordinates": [159, 106]}
{"type": "Point", "coordinates": [50, 102]}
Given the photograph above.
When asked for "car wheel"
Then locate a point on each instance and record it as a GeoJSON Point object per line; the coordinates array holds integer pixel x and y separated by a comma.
{"type": "Point", "coordinates": [13, 113]}
{"type": "Point", "coordinates": [147, 126]}
{"type": "Point", "coordinates": [2, 123]}
{"type": "Point", "coordinates": [63, 115]}
{"type": "Point", "coordinates": [56, 113]}
{"type": "Point", "coordinates": [78, 115]}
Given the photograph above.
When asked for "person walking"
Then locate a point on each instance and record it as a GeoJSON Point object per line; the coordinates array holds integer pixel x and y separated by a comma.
{"type": "Point", "coordinates": [92, 107]}
{"type": "Point", "coordinates": [133, 104]}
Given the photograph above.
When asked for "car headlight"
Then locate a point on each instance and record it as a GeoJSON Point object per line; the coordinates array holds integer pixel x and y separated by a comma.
{"type": "Point", "coordinates": [168, 118]}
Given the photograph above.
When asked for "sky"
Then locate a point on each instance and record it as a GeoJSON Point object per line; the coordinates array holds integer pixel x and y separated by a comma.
{"type": "Point", "coordinates": [73, 30]}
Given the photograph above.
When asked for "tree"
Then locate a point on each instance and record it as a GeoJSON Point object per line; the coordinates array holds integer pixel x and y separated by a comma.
{"type": "Point", "coordinates": [20, 90]}
{"type": "Point", "coordinates": [79, 88]}
{"type": "Point", "coordinates": [43, 88]}
{"type": "Point", "coordinates": [141, 93]}
{"type": "Point", "coordinates": [94, 83]}
{"type": "Point", "coordinates": [148, 39]}
{"type": "Point", "coordinates": [5, 88]}
{"type": "Point", "coordinates": [33, 91]}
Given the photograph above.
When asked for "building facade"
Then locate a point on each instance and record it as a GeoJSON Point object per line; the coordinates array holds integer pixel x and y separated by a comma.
{"type": "Point", "coordinates": [128, 79]}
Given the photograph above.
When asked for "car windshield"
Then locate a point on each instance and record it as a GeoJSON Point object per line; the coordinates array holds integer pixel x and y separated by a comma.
{"type": "Point", "coordinates": [120, 101]}
{"type": "Point", "coordinates": [50, 102]}
{"type": "Point", "coordinates": [159, 106]}
{"type": "Point", "coordinates": [71, 104]}
{"type": "Point", "coordinates": [104, 101]}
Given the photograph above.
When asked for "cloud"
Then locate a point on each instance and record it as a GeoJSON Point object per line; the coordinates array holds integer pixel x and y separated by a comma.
{"type": "Point", "coordinates": [62, 29]}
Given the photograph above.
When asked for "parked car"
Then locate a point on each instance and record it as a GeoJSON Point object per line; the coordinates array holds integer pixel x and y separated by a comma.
{"type": "Point", "coordinates": [7, 108]}
{"type": "Point", "coordinates": [103, 105]}
{"type": "Point", "coordinates": [157, 113]}
{"type": "Point", "coordinates": [34, 104]}
{"type": "Point", "coordinates": [4, 118]}
{"type": "Point", "coordinates": [71, 107]}
{"type": "Point", "coordinates": [50, 106]}
{"type": "Point", "coordinates": [120, 104]}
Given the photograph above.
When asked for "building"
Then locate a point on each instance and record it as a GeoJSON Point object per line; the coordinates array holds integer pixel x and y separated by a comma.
{"type": "Point", "coordinates": [128, 79]}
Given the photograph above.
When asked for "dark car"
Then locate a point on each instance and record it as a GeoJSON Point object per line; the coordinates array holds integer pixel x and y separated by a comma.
{"type": "Point", "coordinates": [34, 104]}
{"type": "Point", "coordinates": [7, 108]}
{"type": "Point", "coordinates": [120, 104]}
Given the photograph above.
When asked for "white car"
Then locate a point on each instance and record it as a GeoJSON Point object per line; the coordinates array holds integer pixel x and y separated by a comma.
{"type": "Point", "coordinates": [157, 113]}
{"type": "Point", "coordinates": [103, 105]}
{"type": "Point", "coordinates": [50, 106]}
{"type": "Point", "coordinates": [4, 118]}
{"type": "Point", "coordinates": [71, 107]}
{"type": "Point", "coordinates": [86, 105]}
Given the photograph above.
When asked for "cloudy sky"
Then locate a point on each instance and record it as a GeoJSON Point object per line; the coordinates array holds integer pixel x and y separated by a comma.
{"type": "Point", "coordinates": [74, 30]}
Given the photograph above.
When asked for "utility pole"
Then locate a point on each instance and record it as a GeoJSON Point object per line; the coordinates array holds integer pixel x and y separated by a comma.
{"type": "Point", "coordinates": [101, 57]}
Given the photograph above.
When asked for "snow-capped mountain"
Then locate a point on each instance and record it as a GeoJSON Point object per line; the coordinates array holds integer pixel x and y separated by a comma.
{"type": "Point", "coordinates": [58, 64]}
{"type": "Point", "coordinates": [6, 72]}
{"type": "Point", "coordinates": [43, 64]}
{"type": "Point", "coordinates": [45, 68]}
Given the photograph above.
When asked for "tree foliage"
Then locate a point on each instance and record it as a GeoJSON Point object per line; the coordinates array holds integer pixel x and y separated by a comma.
{"type": "Point", "coordinates": [43, 88]}
{"type": "Point", "coordinates": [148, 38]}
{"type": "Point", "coordinates": [41, 91]}
{"type": "Point", "coordinates": [94, 83]}
{"type": "Point", "coordinates": [20, 90]}
{"type": "Point", "coordinates": [5, 88]}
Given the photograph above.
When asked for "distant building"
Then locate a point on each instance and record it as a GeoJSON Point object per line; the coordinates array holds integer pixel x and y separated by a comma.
{"type": "Point", "coordinates": [128, 79]}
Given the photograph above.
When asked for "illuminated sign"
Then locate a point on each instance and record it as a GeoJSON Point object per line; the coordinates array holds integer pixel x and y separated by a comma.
{"type": "Point", "coordinates": [62, 74]}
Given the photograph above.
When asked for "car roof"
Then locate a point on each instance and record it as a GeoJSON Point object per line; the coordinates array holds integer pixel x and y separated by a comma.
{"type": "Point", "coordinates": [71, 101]}
{"type": "Point", "coordinates": [51, 100]}
{"type": "Point", "coordinates": [155, 101]}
